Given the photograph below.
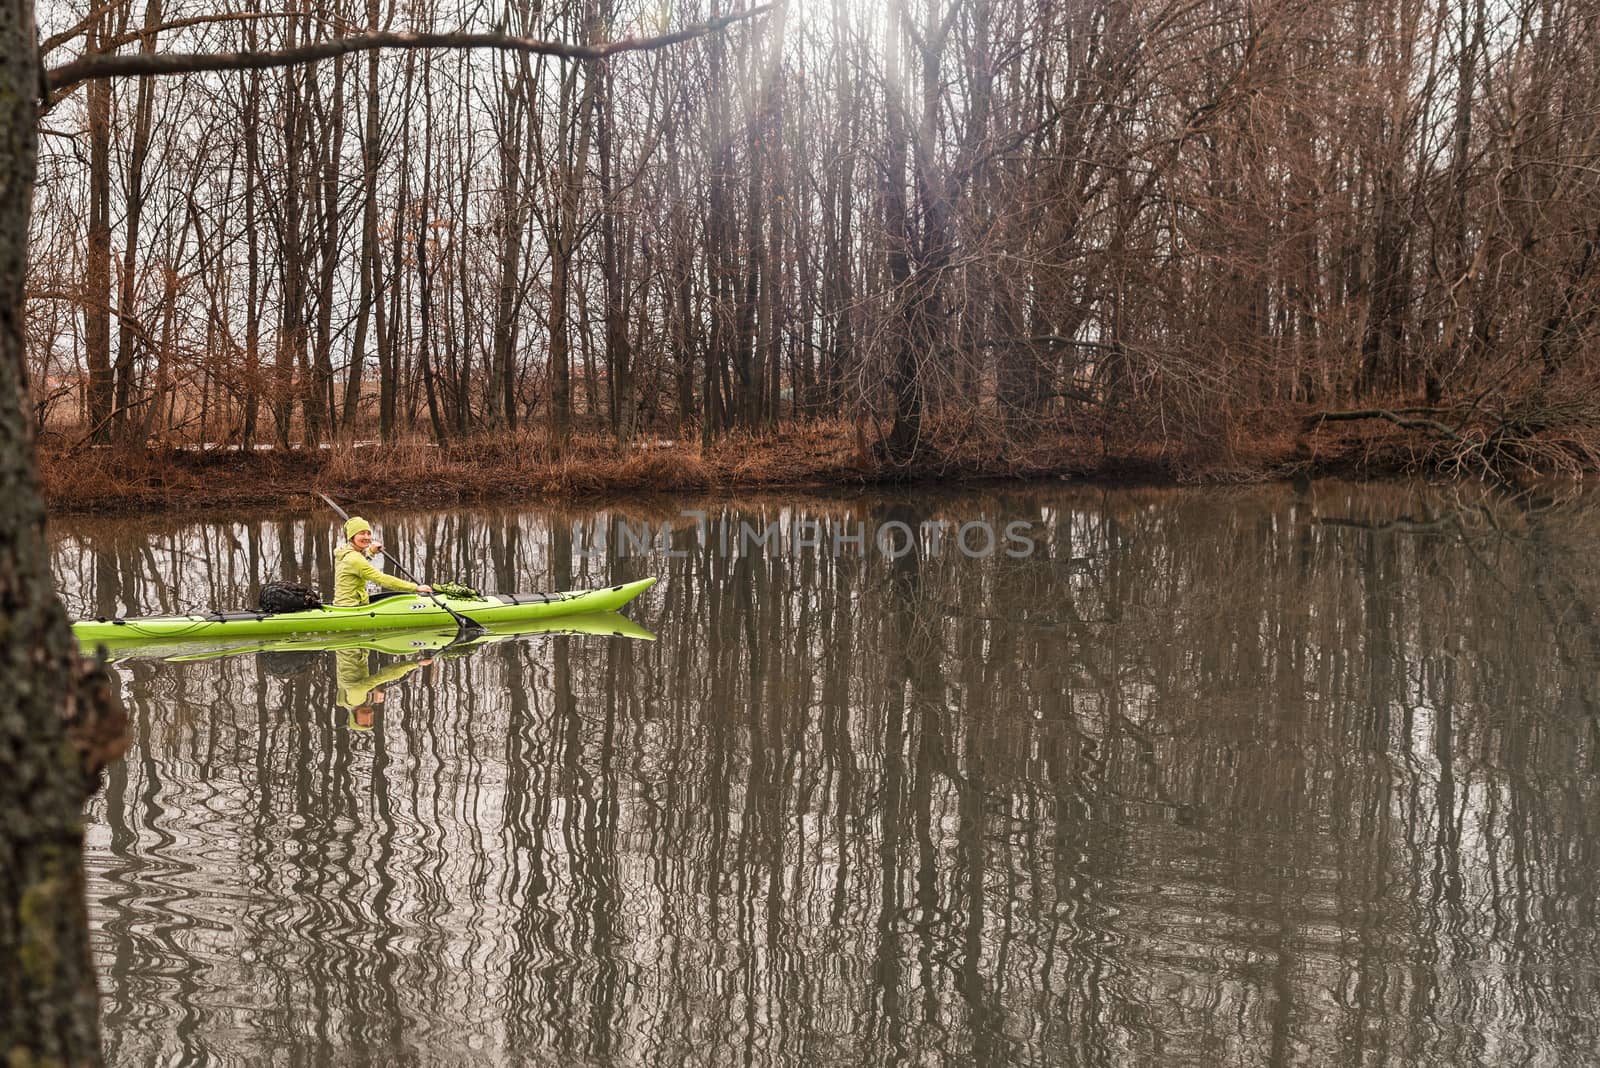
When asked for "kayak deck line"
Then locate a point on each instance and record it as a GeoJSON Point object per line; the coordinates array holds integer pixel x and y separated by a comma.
{"type": "Point", "coordinates": [396, 611]}
{"type": "Point", "coordinates": [216, 617]}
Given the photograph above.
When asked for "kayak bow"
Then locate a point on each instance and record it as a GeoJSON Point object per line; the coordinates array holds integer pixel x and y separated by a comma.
{"type": "Point", "coordinates": [403, 611]}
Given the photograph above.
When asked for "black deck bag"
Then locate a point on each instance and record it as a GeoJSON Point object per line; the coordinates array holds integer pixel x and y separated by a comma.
{"type": "Point", "coordinates": [282, 597]}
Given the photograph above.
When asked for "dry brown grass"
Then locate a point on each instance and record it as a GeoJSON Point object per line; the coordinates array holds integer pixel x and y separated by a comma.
{"type": "Point", "coordinates": [519, 466]}
{"type": "Point", "coordinates": [1260, 444]}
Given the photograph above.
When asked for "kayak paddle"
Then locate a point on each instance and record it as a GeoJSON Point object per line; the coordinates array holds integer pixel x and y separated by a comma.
{"type": "Point", "coordinates": [464, 624]}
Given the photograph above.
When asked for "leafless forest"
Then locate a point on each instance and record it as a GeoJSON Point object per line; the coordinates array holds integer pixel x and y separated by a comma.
{"type": "Point", "coordinates": [933, 218]}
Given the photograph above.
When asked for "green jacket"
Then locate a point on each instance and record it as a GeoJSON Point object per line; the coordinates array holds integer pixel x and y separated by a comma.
{"type": "Point", "coordinates": [351, 573]}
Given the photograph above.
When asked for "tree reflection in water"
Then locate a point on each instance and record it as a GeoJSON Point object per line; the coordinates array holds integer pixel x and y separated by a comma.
{"type": "Point", "coordinates": [1258, 776]}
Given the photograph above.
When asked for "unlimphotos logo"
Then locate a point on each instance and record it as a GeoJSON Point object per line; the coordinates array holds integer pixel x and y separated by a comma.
{"type": "Point", "coordinates": [976, 539]}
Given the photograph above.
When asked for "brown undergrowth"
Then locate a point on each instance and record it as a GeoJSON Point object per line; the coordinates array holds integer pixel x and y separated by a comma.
{"type": "Point", "coordinates": [1257, 446]}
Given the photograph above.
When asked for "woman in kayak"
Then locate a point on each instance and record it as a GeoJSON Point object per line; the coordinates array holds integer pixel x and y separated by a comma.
{"type": "Point", "coordinates": [353, 567]}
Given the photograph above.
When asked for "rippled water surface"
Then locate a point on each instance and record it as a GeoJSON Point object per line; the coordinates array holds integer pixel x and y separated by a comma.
{"type": "Point", "coordinates": [1262, 776]}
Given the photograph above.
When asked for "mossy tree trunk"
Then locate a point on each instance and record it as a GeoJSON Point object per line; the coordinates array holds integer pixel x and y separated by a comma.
{"type": "Point", "coordinates": [47, 990]}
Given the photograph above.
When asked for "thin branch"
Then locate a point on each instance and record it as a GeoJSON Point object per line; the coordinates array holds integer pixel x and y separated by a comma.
{"type": "Point", "coordinates": [1042, 339]}
{"type": "Point", "coordinates": [130, 406]}
{"type": "Point", "coordinates": [82, 300]}
{"type": "Point", "coordinates": [60, 39]}
{"type": "Point", "coordinates": [55, 41]}
{"type": "Point", "coordinates": [88, 68]}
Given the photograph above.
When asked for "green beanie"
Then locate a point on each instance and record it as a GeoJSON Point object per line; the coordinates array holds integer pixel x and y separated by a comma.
{"type": "Point", "coordinates": [355, 525]}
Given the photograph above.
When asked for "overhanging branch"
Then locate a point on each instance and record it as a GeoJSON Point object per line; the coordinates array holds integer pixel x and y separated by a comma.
{"type": "Point", "coordinates": [1410, 423]}
{"type": "Point", "coordinates": [88, 68]}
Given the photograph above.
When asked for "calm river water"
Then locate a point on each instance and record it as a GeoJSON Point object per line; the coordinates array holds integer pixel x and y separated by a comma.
{"type": "Point", "coordinates": [1280, 775]}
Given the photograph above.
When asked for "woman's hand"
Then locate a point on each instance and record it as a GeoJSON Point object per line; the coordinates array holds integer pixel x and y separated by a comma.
{"type": "Point", "coordinates": [424, 589]}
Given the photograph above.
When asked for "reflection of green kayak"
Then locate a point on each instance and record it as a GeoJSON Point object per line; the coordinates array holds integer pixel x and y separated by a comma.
{"type": "Point", "coordinates": [404, 612]}
{"type": "Point", "coordinates": [392, 642]}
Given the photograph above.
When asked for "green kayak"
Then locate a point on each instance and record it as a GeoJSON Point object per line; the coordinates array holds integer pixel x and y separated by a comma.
{"type": "Point", "coordinates": [403, 611]}
{"type": "Point", "coordinates": [393, 642]}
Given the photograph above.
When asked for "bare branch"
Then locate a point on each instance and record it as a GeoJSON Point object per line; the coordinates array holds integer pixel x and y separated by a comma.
{"type": "Point", "coordinates": [56, 41]}
{"type": "Point", "coordinates": [88, 68]}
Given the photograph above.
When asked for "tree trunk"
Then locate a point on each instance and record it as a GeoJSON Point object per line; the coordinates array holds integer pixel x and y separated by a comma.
{"type": "Point", "coordinates": [321, 413]}
{"type": "Point", "coordinates": [716, 401]}
{"type": "Point", "coordinates": [47, 989]}
{"type": "Point", "coordinates": [128, 339]}
{"type": "Point", "coordinates": [519, 93]}
{"type": "Point", "coordinates": [388, 328]}
{"type": "Point", "coordinates": [769, 325]}
{"type": "Point", "coordinates": [424, 280]}
{"type": "Point", "coordinates": [291, 347]}
{"type": "Point", "coordinates": [618, 354]}
{"type": "Point", "coordinates": [565, 239]}
{"type": "Point", "coordinates": [466, 282]}
{"type": "Point", "coordinates": [1382, 347]}
{"type": "Point", "coordinates": [370, 147]}
{"type": "Point", "coordinates": [678, 294]}
{"type": "Point", "coordinates": [748, 381]}
{"type": "Point", "coordinates": [97, 264]}
{"type": "Point", "coordinates": [252, 324]}
{"type": "Point", "coordinates": [905, 386]}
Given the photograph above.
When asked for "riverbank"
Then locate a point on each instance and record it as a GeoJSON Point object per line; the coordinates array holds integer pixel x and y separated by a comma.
{"type": "Point", "coordinates": [828, 455]}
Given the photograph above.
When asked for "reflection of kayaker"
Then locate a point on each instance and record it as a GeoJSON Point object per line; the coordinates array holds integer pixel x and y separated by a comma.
{"type": "Point", "coordinates": [359, 686]}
